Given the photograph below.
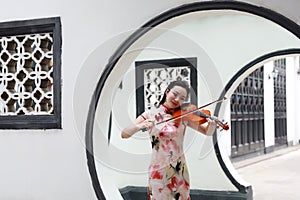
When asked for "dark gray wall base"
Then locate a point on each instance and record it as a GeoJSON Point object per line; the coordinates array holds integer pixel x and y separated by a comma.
{"type": "Point", "coordinates": [290, 143]}
{"type": "Point", "coordinates": [269, 149]}
{"type": "Point", "coordinates": [140, 193]}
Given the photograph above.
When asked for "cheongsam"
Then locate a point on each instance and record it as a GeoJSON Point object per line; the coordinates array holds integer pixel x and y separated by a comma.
{"type": "Point", "coordinates": [168, 172]}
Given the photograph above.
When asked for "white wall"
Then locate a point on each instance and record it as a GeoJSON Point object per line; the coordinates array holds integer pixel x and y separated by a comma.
{"type": "Point", "coordinates": [297, 96]}
{"type": "Point", "coordinates": [269, 107]}
{"type": "Point", "coordinates": [51, 164]}
{"type": "Point", "coordinates": [292, 99]}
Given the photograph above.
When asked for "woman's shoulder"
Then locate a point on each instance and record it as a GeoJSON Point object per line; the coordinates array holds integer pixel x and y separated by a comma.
{"type": "Point", "coordinates": [145, 115]}
{"type": "Point", "coordinates": [152, 112]}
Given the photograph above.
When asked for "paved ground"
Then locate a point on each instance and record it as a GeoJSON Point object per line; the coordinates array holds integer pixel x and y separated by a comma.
{"type": "Point", "coordinates": [274, 176]}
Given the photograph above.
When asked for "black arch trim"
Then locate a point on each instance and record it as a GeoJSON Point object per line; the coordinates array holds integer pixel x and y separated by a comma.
{"type": "Point", "coordinates": [260, 59]}
{"type": "Point", "coordinates": [183, 9]}
{"type": "Point", "coordinates": [89, 143]}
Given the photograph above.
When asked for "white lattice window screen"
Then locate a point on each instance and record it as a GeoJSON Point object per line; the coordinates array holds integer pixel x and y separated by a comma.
{"type": "Point", "coordinates": [26, 74]}
{"type": "Point", "coordinates": [156, 81]}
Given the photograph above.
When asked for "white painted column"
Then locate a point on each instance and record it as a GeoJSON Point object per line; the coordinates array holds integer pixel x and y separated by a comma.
{"type": "Point", "coordinates": [269, 105]}
{"type": "Point", "coordinates": [293, 99]}
{"type": "Point", "coordinates": [297, 97]}
{"type": "Point", "coordinates": [297, 94]}
{"type": "Point", "coordinates": [291, 72]}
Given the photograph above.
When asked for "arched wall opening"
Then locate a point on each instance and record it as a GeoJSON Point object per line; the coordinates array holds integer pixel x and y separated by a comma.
{"type": "Point", "coordinates": [227, 56]}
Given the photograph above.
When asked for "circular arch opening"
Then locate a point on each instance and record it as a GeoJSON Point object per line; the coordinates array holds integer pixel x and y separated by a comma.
{"type": "Point", "coordinates": [228, 90]}
{"type": "Point", "coordinates": [189, 8]}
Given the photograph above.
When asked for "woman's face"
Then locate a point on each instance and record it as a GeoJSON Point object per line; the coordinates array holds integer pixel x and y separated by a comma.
{"type": "Point", "coordinates": [175, 97]}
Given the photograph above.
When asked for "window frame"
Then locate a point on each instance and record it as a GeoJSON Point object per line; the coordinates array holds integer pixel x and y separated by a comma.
{"type": "Point", "coordinates": [140, 66]}
{"type": "Point", "coordinates": [35, 26]}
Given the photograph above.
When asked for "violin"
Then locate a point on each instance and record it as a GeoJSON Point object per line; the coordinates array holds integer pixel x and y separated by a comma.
{"type": "Point", "coordinates": [194, 115]}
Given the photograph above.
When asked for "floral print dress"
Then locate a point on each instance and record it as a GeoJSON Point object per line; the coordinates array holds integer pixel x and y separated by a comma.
{"type": "Point", "coordinates": [168, 173]}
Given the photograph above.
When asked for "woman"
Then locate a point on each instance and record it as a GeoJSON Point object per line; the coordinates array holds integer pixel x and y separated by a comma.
{"type": "Point", "coordinates": [168, 173]}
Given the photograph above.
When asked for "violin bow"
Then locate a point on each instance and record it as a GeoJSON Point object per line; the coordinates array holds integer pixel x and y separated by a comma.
{"type": "Point", "coordinates": [189, 112]}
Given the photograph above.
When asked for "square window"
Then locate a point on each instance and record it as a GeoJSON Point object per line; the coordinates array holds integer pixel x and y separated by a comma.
{"type": "Point", "coordinates": [153, 76]}
{"type": "Point", "coordinates": [30, 74]}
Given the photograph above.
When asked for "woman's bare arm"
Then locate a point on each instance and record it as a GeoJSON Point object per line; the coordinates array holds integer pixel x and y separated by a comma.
{"type": "Point", "coordinates": [207, 128]}
{"type": "Point", "coordinates": [139, 124]}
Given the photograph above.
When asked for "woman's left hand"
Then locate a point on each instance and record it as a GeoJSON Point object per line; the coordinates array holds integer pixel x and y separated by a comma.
{"type": "Point", "coordinates": [211, 127]}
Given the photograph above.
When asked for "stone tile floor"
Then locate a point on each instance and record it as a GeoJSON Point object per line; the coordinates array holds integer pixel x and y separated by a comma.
{"type": "Point", "coordinates": [273, 176]}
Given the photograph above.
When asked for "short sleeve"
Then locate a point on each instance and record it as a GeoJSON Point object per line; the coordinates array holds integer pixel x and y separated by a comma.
{"type": "Point", "coordinates": [145, 115]}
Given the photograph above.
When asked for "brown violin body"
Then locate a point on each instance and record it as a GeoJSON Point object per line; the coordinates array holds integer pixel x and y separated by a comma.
{"type": "Point", "coordinates": [193, 115]}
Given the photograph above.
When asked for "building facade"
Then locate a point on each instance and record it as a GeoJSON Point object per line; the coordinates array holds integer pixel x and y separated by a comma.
{"type": "Point", "coordinates": [68, 85]}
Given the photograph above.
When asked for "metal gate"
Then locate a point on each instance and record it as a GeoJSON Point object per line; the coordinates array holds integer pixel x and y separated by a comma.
{"type": "Point", "coordinates": [247, 115]}
{"type": "Point", "coordinates": [280, 102]}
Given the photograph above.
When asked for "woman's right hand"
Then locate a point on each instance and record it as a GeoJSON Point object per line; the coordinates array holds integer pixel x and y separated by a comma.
{"type": "Point", "coordinates": [147, 124]}
{"type": "Point", "coordinates": [139, 124]}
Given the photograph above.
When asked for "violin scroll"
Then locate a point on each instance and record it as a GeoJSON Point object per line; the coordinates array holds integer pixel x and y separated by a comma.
{"type": "Point", "coordinates": [224, 126]}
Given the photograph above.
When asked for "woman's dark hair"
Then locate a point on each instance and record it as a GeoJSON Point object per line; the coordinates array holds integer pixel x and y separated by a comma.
{"type": "Point", "coordinates": [180, 83]}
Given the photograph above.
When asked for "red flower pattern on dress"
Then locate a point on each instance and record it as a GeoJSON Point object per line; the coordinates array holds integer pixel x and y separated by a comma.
{"type": "Point", "coordinates": [187, 185]}
{"type": "Point", "coordinates": [166, 178]}
{"type": "Point", "coordinates": [171, 145]}
{"type": "Point", "coordinates": [149, 194]}
{"type": "Point", "coordinates": [173, 185]}
{"type": "Point", "coordinates": [156, 175]}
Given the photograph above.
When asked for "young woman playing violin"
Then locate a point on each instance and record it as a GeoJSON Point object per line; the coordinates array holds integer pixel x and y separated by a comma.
{"type": "Point", "coordinates": [168, 173]}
